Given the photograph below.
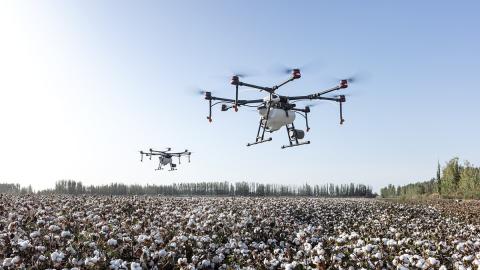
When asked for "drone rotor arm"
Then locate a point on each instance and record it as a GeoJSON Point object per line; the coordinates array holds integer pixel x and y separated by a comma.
{"type": "Point", "coordinates": [261, 88]}
{"type": "Point", "coordinates": [250, 101]}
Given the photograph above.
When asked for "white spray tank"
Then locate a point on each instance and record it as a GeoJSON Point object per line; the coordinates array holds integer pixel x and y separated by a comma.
{"type": "Point", "coordinates": [277, 118]}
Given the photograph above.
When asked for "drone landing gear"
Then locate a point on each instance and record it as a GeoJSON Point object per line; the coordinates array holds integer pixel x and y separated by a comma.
{"type": "Point", "coordinates": [293, 135]}
{"type": "Point", "coordinates": [262, 127]}
{"type": "Point", "coordinates": [173, 167]}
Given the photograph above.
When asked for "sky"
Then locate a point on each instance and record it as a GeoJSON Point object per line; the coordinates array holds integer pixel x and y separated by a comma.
{"type": "Point", "coordinates": [85, 85]}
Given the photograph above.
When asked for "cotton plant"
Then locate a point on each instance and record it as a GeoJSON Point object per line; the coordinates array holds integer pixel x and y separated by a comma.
{"type": "Point", "coordinates": [223, 233]}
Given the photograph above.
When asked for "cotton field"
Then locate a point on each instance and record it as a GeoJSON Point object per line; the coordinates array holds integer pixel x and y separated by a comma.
{"type": "Point", "coordinates": [87, 232]}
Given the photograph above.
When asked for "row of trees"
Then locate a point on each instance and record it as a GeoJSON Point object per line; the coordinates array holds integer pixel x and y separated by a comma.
{"type": "Point", "coordinates": [213, 189]}
{"type": "Point", "coordinates": [14, 188]}
{"type": "Point", "coordinates": [454, 180]}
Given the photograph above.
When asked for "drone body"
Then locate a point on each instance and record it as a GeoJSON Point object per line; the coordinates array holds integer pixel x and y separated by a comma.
{"type": "Point", "coordinates": [277, 111]}
{"type": "Point", "coordinates": [165, 157]}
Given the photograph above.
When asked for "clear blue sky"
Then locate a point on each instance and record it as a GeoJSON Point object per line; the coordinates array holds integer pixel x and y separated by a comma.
{"type": "Point", "coordinates": [84, 85]}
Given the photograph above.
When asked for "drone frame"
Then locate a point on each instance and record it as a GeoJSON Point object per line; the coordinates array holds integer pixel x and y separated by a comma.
{"type": "Point", "coordinates": [165, 154]}
{"type": "Point", "coordinates": [262, 127]}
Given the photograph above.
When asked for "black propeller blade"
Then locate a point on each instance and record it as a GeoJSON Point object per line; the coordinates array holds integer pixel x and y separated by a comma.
{"type": "Point", "coordinates": [355, 78]}
{"type": "Point", "coordinates": [311, 66]}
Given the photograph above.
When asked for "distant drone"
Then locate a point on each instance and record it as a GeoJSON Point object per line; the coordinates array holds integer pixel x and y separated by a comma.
{"type": "Point", "coordinates": [276, 110]}
{"type": "Point", "coordinates": [165, 157]}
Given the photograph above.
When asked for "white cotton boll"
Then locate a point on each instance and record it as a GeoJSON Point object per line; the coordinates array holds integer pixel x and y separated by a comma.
{"type": "Point", "coordinates": [477, 244]}
{"type": "Point", "coordinates": [433, 261]}
{"type": "Point", "coordinates": [91, 261]}
{"type": "Point", "coordinates": [391, 242]}
{"type": "Point", "coordinates": [65, 234]}
{"type": "Point", "coordinates": [205, 263]}
{"type": "Point", "coordinates": [288, 266]}
{"type": "Point", "coordinates": [182, 261]}
{"type": "Point", "coordinates": [57, 256]}
{"type": "Point", "coordinates": [118, 264]}
{"type": "Point", "coordinates": [420, 263]}
{"type": "Point", "coordinates": [468, 258]}
{"type": "Point", "coordinates": [53, 228]}
{"type": "Point", "coordinates": [34, 234]}
{"type": "Point", "coordinates": [7, 262]}
{"type": "Point", "coordinates": [378, 256]}
{"type": "Point", "coordinates": [40, 248]}
{"type": "Point", "coordinates": [162, 253]}
{"type": "Point", "coordinates": [15, 260]}
{"type": "Point", "coordinates": [368, 248]}
{"type": "Point", "coordinates": [142, 238]}
{"type": "Point", "coordinates": [340, 240]}
{"type": "Point", "coordinates": [405, 258]}
{"type": "Point", "coordinates": [23, 244]}
{"type": "Point", "coordinates": [301, 234]}
{"type": "Point", "coordinates": [135, 266]}
{"type": "Point", "coordinates": [216, 259]}
{"type": "Point", "coordinates": [42, 258]}
{"type": "Point", "coordinates": [112, 242]}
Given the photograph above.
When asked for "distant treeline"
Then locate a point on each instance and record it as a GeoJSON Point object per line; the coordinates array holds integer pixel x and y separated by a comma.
{"type": "Point", "coordinates": [213, 189]}
{"type": "Point", "coordinates": [454, 180]}
{"type": "Point", "coordinates": [14, 188]}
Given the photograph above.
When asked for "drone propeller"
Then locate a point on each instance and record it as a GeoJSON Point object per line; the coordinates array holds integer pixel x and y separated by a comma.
{"type": "Point", "coordinates": [241, 74]}
{"type": "Point", "coordinates": [308, 67]}
{"type": "Point", "coordinates": [356, 78]}
{"type": "Point", "coordinates": [345, 95]}
{"type": "Point", "coordinates": [197, 91]}
{"type": "Point", "coordinates": [311, 105]}
{"type": "Point", "coordinates": [238, 73]}
{"type": "Point", "coordinates": [315, 104]}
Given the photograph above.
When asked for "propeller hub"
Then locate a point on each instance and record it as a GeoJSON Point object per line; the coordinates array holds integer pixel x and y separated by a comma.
{"type": "Point", "coordinates": [296, 73]}
{"type": "Point", "coordinates": [234, 80]}
{"type": "Point", "coordinates": [208, 95]}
